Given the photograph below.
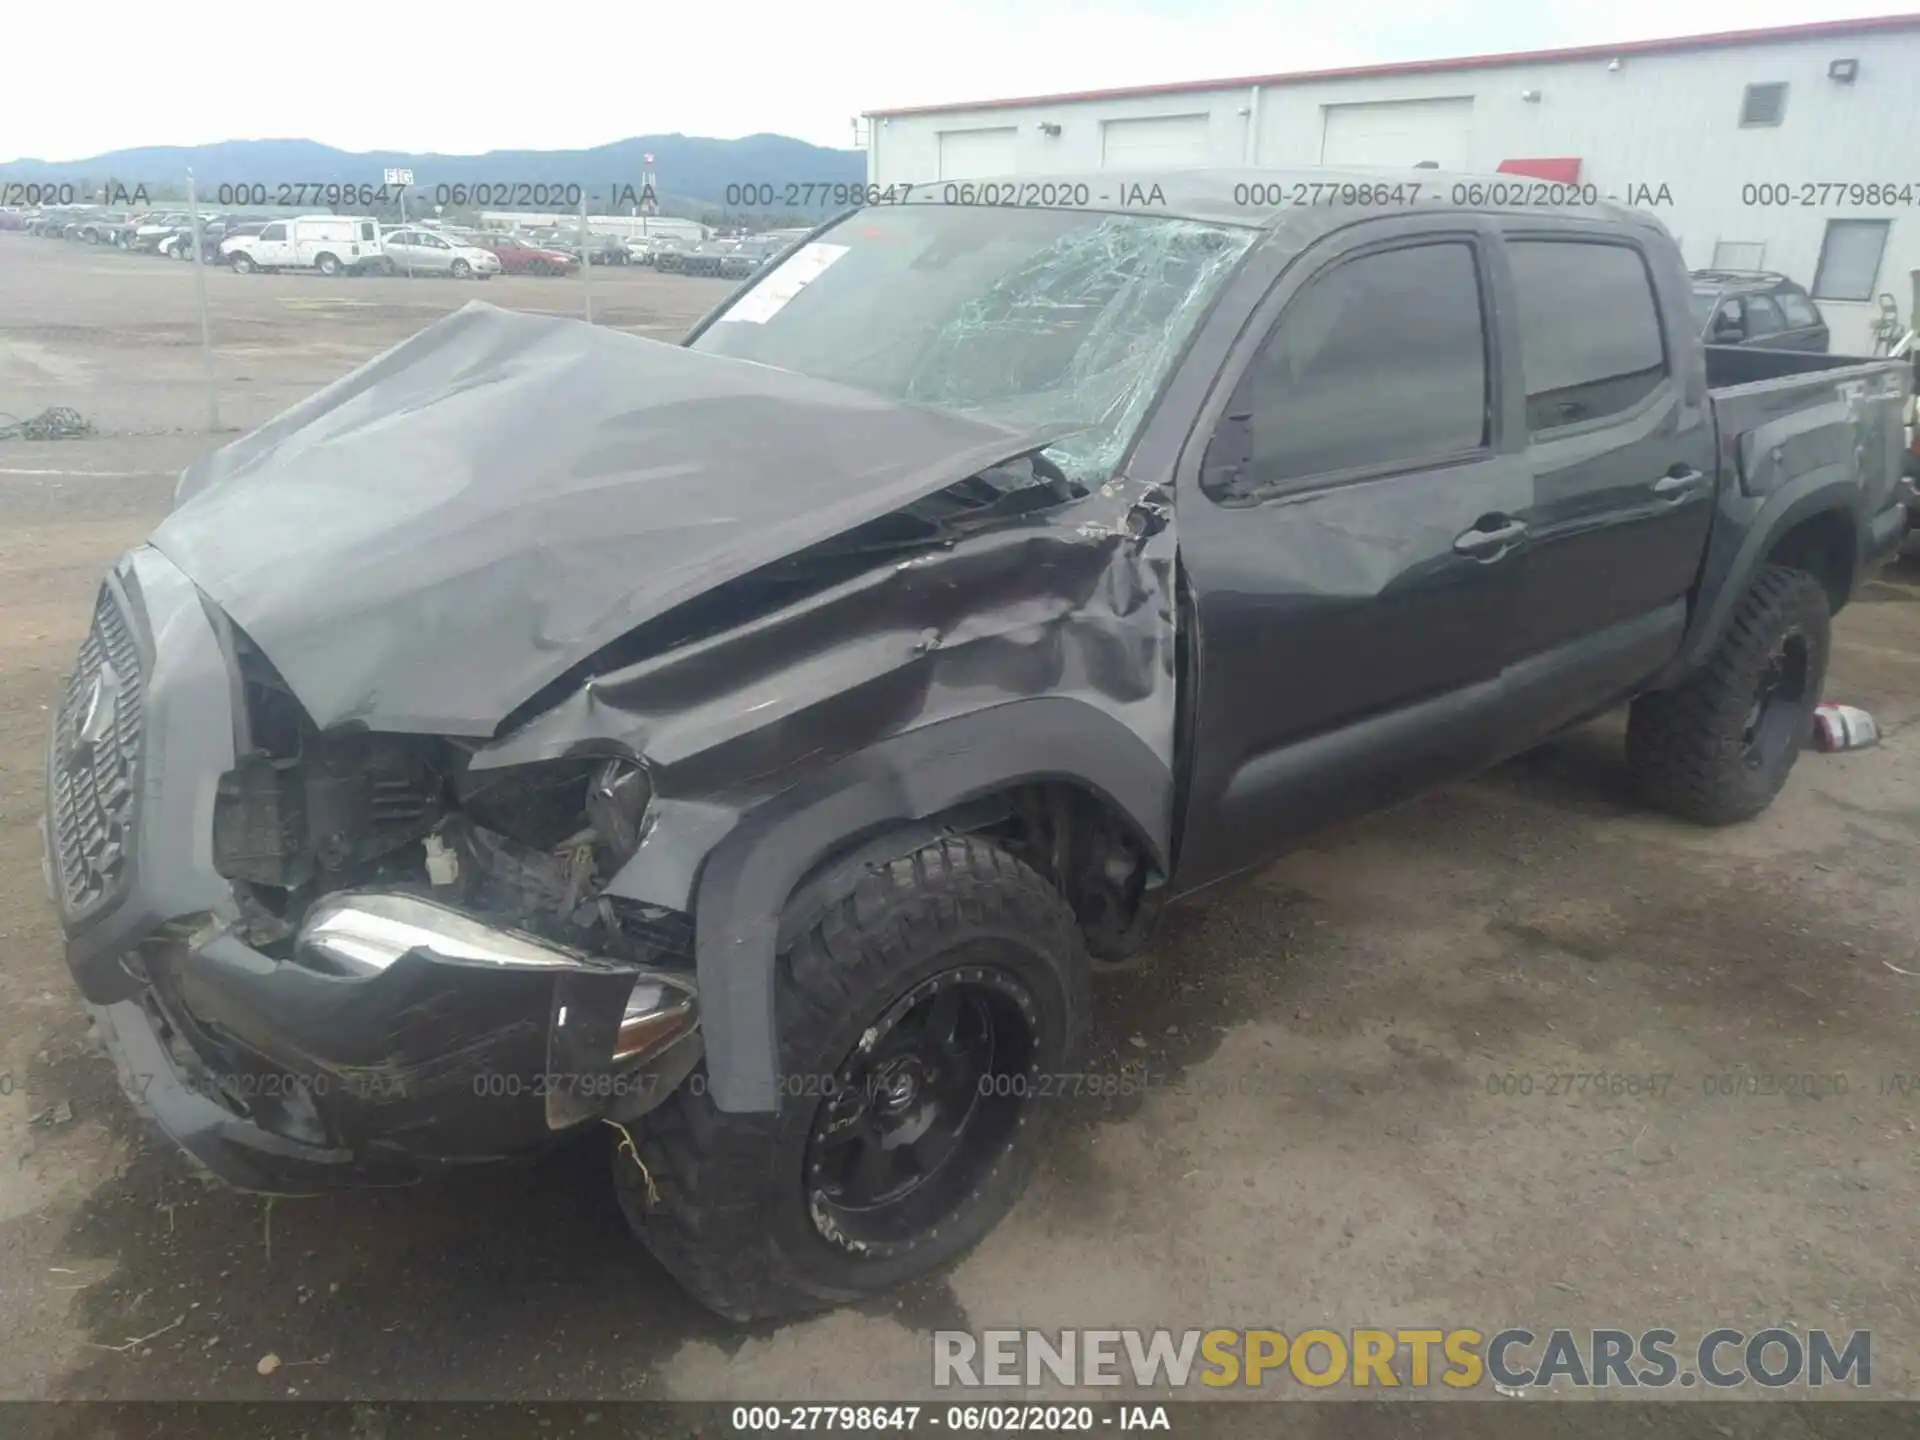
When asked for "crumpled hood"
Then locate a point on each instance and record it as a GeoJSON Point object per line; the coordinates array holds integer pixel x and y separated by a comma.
{"type": "Point", "coordinates": [429, 540]}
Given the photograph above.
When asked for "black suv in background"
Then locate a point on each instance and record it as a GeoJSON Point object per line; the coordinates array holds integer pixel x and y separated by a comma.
{"type": "Point", "coordinates": [1756, 307]}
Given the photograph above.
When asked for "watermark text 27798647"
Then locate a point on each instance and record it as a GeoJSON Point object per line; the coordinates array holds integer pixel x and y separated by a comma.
{"type": "Point", "coordinates": [1822, 194]}
{"type": "Point", "coordinates": [481, 194]}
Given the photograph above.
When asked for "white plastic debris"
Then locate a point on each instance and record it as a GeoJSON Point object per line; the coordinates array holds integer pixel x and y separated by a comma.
{"type": "Point", "coordinates": [443, 866]}
{"type": "Point", "coordinates": [1843, 727]}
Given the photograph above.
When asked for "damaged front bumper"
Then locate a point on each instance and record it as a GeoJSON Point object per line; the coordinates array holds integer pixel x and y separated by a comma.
{"type": "Point", "coordinates": [402, 1035]}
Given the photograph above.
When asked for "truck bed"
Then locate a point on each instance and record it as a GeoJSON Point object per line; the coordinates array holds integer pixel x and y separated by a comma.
{"type": "Point", "coordinates": [1783, 414]}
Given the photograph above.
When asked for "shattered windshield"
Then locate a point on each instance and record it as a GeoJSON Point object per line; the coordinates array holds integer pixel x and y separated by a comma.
{"type": "Point", "coordinates": [1030, 317]}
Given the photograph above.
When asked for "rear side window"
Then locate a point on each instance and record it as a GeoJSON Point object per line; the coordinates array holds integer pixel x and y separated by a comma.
{"type": "Point", "coordinates": [1590, 342]}
{"type": "Point", "coordinates": [1798, 309]}
{"type": "Point", "coordinates": [1763, 316]}
{"type": "Point", "coordinates": [1380, 361]}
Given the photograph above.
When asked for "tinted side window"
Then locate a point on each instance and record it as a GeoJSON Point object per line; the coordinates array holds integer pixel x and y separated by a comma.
{"type": "Point", "coordinates": [1589, 330]}
{"type": "Point", "coordinates": [1798, 309]}
{"type": "Point", "coordinates": [1763, 316]}
{"type": "Point", "coordinates": [274, 232]}
{"type": "Point", "coordinates": [1378, 361]}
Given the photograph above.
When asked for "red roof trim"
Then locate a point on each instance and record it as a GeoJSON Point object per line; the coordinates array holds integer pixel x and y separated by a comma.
{"type": "Point", "coordinates": [1565, 169]}
{"type": "Point", "coordinates": [1821, 29]}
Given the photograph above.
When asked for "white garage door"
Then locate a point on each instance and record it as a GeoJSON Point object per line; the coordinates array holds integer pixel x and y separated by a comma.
{"type": "Point", "coordinates": [1400, 132]}
{"type": "Point", "coordinates": [1154, 142]}
{"type": "Point", "coordinates": [977, 154]}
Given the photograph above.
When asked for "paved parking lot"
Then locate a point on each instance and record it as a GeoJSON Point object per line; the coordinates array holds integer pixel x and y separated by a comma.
{"type": "Point", "coordinates": [1327, 1141]}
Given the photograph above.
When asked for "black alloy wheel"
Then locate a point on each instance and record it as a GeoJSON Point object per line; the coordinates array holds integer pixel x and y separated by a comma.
{"type": "Point", "coordinates": [922, 1110]}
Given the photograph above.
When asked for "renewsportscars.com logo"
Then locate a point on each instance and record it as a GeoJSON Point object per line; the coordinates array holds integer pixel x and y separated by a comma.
{"type": "Point", "coordinates": [1510, 1359]}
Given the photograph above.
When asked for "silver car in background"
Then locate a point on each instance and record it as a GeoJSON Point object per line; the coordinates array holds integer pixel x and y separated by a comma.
{"type": "Point", "coordinates": [417, 251]}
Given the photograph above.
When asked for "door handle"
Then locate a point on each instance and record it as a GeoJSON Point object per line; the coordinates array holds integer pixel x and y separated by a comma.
{"type": "Point", "coordinates": [1678, 485]}
{"type": "Point", "coordinates": [1487, 546]}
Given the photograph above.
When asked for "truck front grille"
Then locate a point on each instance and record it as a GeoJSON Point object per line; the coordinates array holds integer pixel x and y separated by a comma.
{"type": "Point", "coordinates": [94, 770]}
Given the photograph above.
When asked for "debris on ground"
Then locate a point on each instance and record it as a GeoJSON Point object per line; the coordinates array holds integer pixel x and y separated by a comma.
{"type": "Point", "coordinates": [268, 1363]}
{"type": "Point", "coordinates": [53, 1115]}
{"type": "Point", "coordinates": [1843, 727]}
{"type": "Point", "coordinates": [57, 423]}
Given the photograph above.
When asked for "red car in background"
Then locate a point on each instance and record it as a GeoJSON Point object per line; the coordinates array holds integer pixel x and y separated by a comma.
{"type": "Point", "coordinates": [517, 257]}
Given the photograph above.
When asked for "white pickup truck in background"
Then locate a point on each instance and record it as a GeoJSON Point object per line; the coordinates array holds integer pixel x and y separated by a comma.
{"type": "Point", "coordinates": [327, 243]}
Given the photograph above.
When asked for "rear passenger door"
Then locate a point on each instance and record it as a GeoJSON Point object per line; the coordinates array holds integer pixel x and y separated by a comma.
{"type": "Point", "coordinates": [1766, 326]}
{"type": "Point", "coordinates": [1620, 443]}
{"type": "Point", "coordinates": [1806, 330]}
{"type": "Point", "coordinates": [402, 248]}
{"type": "Point", "coordinates": [433, 253]}
{"type": "Point", "coordinates": [1348, 536]}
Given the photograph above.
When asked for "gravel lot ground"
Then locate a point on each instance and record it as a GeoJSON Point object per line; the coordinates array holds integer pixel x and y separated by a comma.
{"type": "Point", "coordinates": [1320, 1146]}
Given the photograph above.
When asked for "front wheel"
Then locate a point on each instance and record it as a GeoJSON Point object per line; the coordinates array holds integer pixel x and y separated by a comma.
{"type": "Point", "coordinates": [920, 1017]}
{"type": "Point", "coordinates": [462, 270]}
{"type": "Point", "coordinates": [243, 265]}
{"type": "Point", "coordinates": [1717, 748]}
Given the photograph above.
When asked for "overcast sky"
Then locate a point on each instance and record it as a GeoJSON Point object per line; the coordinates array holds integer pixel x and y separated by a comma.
{"type": "Point", "coordinates": [99, 75]}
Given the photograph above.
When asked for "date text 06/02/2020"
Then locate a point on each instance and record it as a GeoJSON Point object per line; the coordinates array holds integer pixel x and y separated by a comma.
{"type": "Point", "coordinates": [1007, 1419]}
{"type": "Point", "coordinates": [1017, 194]}
{"type": "Point", "coordinates": [482, 194]}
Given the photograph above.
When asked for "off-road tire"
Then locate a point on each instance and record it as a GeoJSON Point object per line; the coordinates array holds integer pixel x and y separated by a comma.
{"type": "Point", "coordinates": [732, 1220]}
{"type": "Point", "coordinates": [1685, 752]}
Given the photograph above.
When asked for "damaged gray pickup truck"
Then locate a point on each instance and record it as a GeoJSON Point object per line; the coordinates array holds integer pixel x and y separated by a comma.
{"type": "Point", "coordinates": [757, 742]}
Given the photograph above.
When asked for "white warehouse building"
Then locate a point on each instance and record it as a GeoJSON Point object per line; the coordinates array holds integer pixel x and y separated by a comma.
{"type": "Point", "coordinates": [1794, 149]}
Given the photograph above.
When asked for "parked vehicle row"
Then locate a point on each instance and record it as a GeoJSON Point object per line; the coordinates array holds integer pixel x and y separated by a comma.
{"type": "Point", "coordinates": [739, 259]}
{"type": "Point", "coordinates": [342, 244]}
{"type": "Point", "coordinates": [147, 230]}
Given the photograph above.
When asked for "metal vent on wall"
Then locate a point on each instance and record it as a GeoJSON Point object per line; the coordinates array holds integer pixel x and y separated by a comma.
{"type": "Point", "coordinates": [1763, 104]}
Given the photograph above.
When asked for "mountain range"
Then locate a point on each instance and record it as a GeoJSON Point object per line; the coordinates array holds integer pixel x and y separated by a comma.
{"type": "Point", "coordinates": [687, 168]}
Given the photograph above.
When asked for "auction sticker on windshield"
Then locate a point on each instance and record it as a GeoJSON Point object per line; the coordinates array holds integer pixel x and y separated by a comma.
{"type": "Point", "coordinates": [771, 295]}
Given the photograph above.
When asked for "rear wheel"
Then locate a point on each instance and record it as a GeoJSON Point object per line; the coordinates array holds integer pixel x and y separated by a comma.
{"type": "Point", "coordinates": [1717, 748]}
{"type": "Point", "coordinates": [914, 1015]}
{"type": "Point", "coordinates": [328, 265]}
